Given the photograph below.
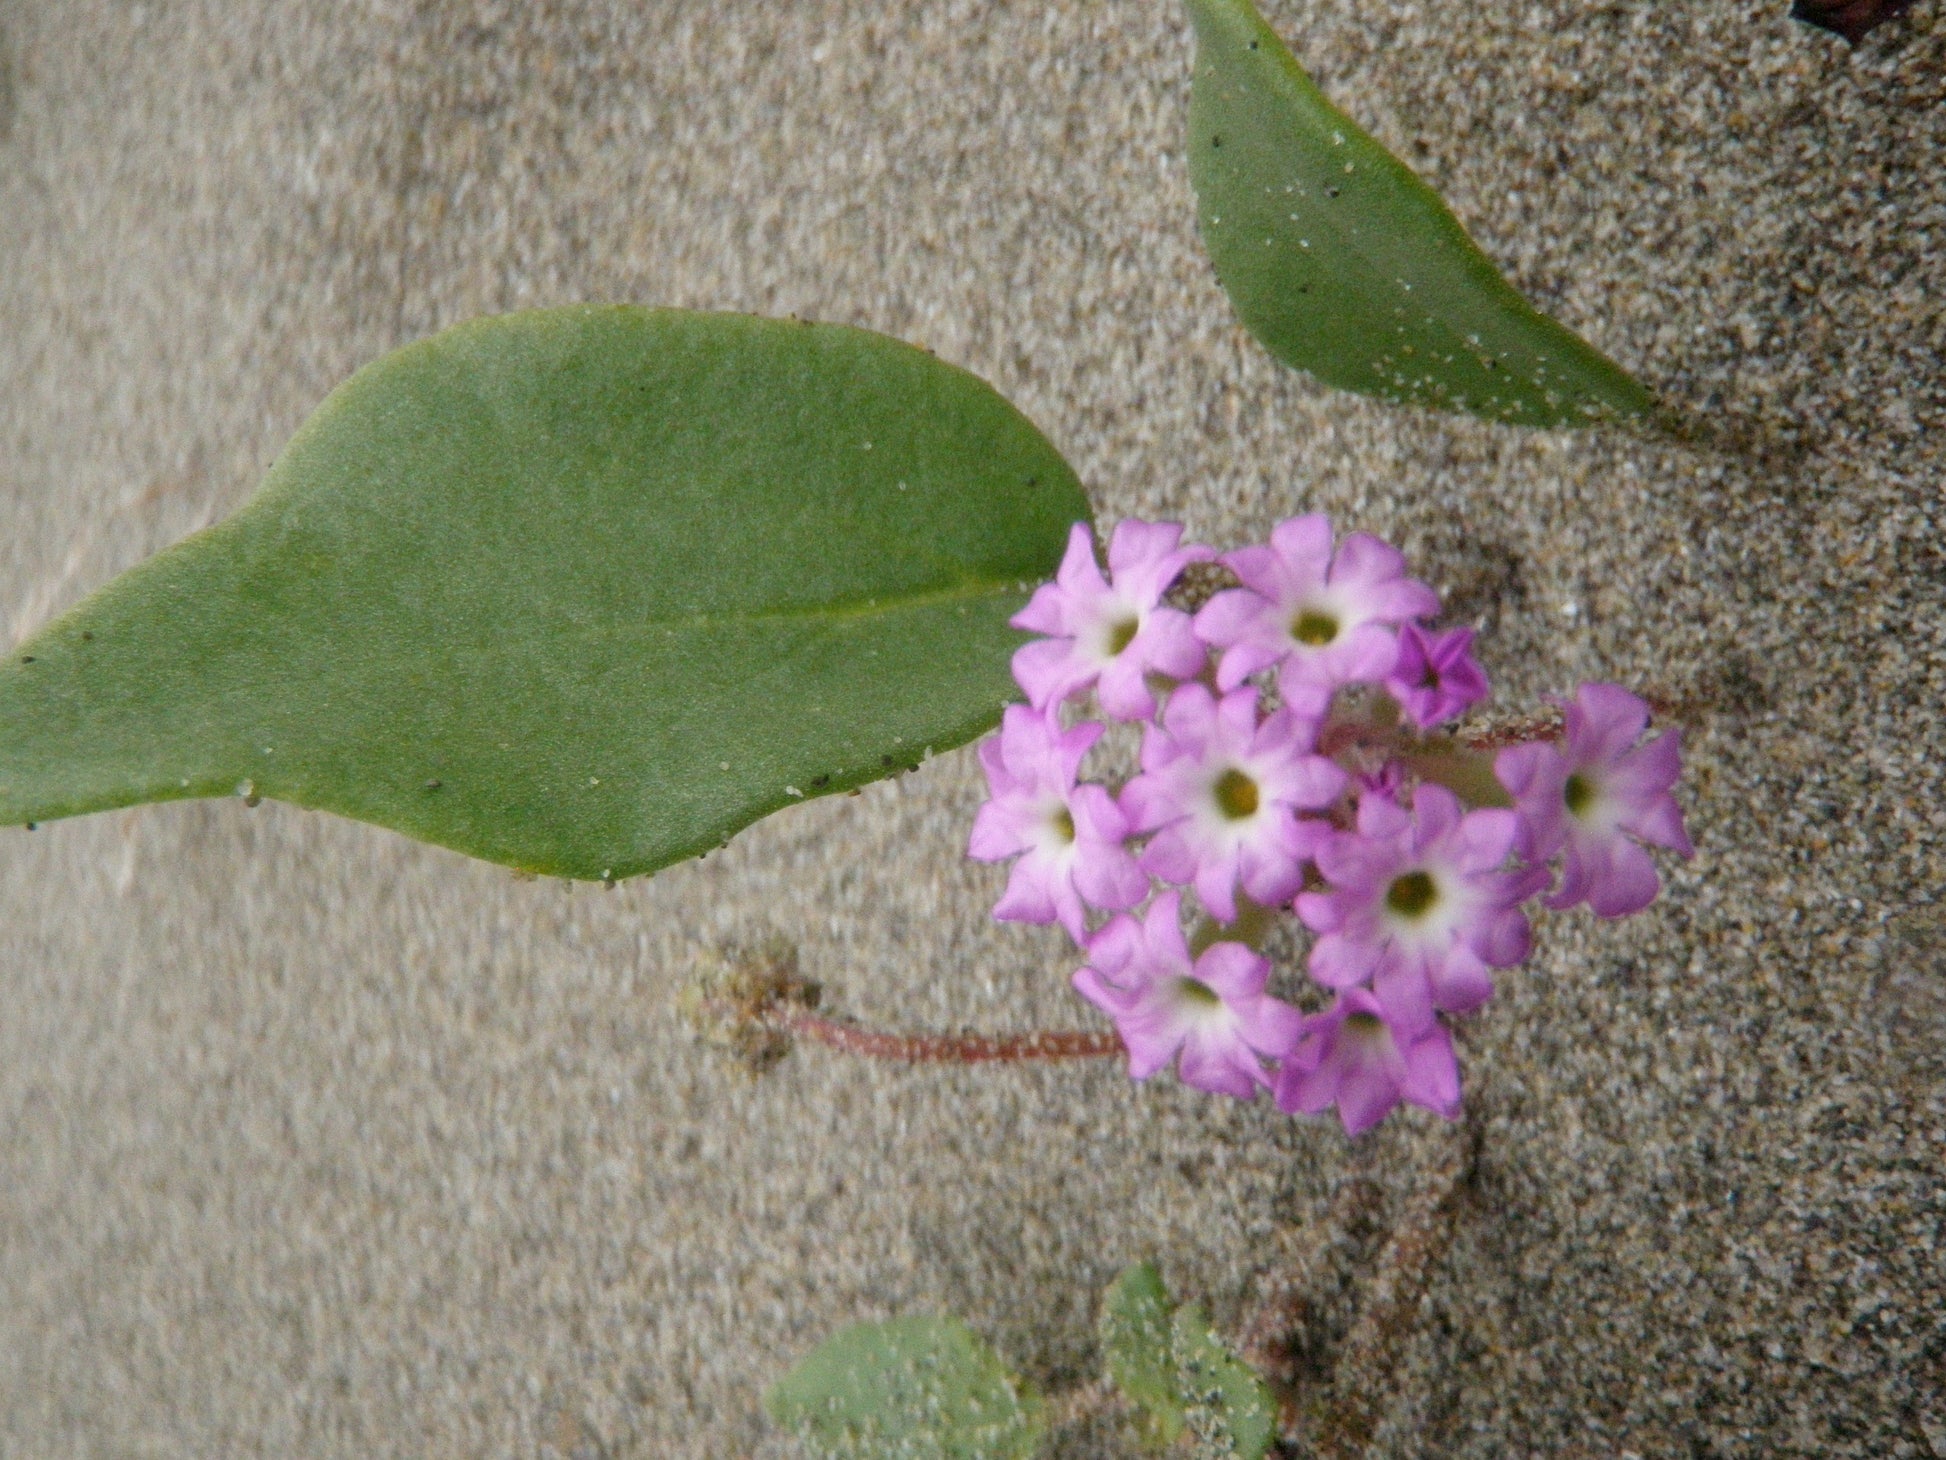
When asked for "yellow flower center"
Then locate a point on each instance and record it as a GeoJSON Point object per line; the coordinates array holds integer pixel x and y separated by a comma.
{"type": "Point", "coordinates": [1236, 794]}
{"type": "Point", "coordinates": [1411, 894]}
{"type": "Point", "coordinates": [1195, 991]}
{"type": "Point", "coordinates": [1579, 793]}
{"type": "Point", "coordinates": [1314, 628]}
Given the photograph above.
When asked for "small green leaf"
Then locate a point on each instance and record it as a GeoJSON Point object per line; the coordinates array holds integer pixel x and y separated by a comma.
{"type": "Point", "coordinates": [915, 1389]}
{"type": "Point", "coordinates": [581, 591]}
{"type": "Point", "coordinates": [1229, 1408]}
{"type": "Point", "coordinates": [1135, 1336]}
{"type": "Point", "coordinates": [1341, 262]}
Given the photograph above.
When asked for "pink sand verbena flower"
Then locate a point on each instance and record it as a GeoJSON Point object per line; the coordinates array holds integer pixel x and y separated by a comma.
{"type": "Point", "coordinates": [1068, 838]}
{"type": "Point", "coordinates": [1436, 678]}
{"type": "Point", "coordinates": [1594, 792]}
{"type": "Point", "coordinates": [1413, 892]}
{"type": "Point", "coordinates": [1110, 633]}
{"type": "Point", "coordinates": [1215, 1012]}
{"type": "Point", "coordinates": [1365, 1057]}
{"type": "Point", "coordinates": [1420, 904]}
{"type": "Point", "coordinates": [1222, 793]}
{"type": "Point", "coordinates": [1324, 618]}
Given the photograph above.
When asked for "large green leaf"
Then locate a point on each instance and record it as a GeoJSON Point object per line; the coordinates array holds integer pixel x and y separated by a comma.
{"type": "Point", "coordinates": [911, 1389]}
{"type": "Point", "coordinates": [1136, 1340]}
{"type": "Point", "coordinates": [1344, 264]}
{"type": "Point", "coordinates": [581, 591]}
{"type": "Point", "coordinates": [1228, 1405]}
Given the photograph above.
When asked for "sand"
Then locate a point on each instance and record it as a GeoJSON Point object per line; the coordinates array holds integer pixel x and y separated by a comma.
{"type": "Point", "coordinates": [317, 1142]}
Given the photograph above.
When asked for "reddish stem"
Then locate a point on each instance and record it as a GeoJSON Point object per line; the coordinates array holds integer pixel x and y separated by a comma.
{"type": "Point", "coordinates": [1544, 726]}
{"type": "Point", "coordinates": [951, 1049]}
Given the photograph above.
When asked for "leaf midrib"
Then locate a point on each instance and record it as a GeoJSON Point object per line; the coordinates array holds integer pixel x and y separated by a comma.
{"type": "Point", "coordinates": [848, 611]}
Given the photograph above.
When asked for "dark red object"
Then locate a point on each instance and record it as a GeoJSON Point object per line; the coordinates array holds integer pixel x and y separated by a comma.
{"type": "Point", "coordinates": [1852, 19]}
{"type": "Point", "coordinates": [851, 1037]}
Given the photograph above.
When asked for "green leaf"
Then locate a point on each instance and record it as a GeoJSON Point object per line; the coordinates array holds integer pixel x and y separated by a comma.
{"type": "Point", "coordinates": [1341, 262]}
{"type": "Point", "coordinates": [1229, 1407]}
{"type": "Point", "coordinates": [581, 591]}
{"type": "Point", "coordinates": [914, 1388]}
{"type": "Point", "coordinates": [1135, 1336]}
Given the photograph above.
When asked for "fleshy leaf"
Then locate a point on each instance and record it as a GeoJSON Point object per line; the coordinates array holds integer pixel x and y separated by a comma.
{"type": "Point", "coordinates": [1136, 1339]}
{"type": "Point", "coordinates": [1343, 263]}
{"type": "Point", "coordinates": [581, 591]}
{"type": "Point", "coordinates": [1852, 19]}
{"type": "Point", "coordinates": [1228, 1405]}
{"type": "Point", "coordinates": [910, 1388]}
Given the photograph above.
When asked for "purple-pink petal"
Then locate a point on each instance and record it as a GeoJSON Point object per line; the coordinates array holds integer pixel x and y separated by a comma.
{"type": "Point", "coordinates": [1535, 776]}
{"type": "Point", "coordinates": [1613, 873]}
{"type": "Point", "coordinates": [1419, 902]}
{"type": "Point", "coordinates": [1456, 982]}
{"type": "Point", "coordinates": [1304, 542]}
{"type": "Point", "coordinates": [1146, 557]}
{"type": "Point", "coordinates": [1603, 721]}
{"type": "Point", "coordinates": [1213, 1017]}
{"type": "Point", "coordinates": [1034, 896]}
{"type": "Point", "coordinates": [1353, 598]}
{"type": "Point", "coordinates": [1168, 856]}
{"type": "Point", "coordinates": [1660, 823]}
{"type": "Point", "coordinates": [1078, 578]}
{"type": "Point", "coordinates": [1230, 614]}
{"type": "Point", "coordinates": [1589, 795]}
{"type": "Point", "coordinates": [1271, 871]}
{"type": "Point", "coordinates": [1123, 691]}
{"type": "Point", "coordinates": [1483, 839]}
{"type": "Point", "coordinates": [1215, 882]}
{"type": "Point", "coordinates": [1000, 830]}
{"type": "Point", "coordinates": [1508, 937]}
{"type": "Point", "coordinates": [1049, 671]}
{"type": "Point", "coordinates": [1225, 795]}
{"type": "Point", "coordinates": [1169, 645]}
{"type": "Point", "coordinates": [1096, 815]}
{"type": "Point", "coordinates": [1111, 880]}
{"type": "Point", "coordinates": [1339, 962]}
{"type": "Point", "coordinates": [1219, 1064]}
{"type": "Point", "coordinates": [1364, 558]}
{"type": "Point", "coordinates": [1361, 1056]}
{"type": "Point", "coordinates": [1432, 1079]}
{"type": "Point", "coordinates": [1110, 633]}
{"type": "Point", "coordinates": [1435, 679]}
{"type": "Point", "coordinates": [1069, 838]}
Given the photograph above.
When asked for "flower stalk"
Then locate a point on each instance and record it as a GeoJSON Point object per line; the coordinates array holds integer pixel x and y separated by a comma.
{"type": "Point", "coordinates": [755, 1004]}
{"type": "Point", "coordinates": [848, 1036]}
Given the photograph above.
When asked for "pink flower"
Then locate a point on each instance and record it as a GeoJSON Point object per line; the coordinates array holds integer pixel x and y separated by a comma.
{"type": "Point", "coordinates": [1594, 793]}
{"type": "Point", "coordinates": [1216, 1013]}
{"type": "Point", "coordinates": [1419, 903]}
{"type": "Point", "coordinates": [1068, 837]}
{"type": "Point", "coordinates": [1222, 794]}
{"type": "Point", "coordinates": [1436, 678]}
{"type": "Point", "coordinates": [1360, 1056]}
{"type": "Point", "coordinates": [1323, 619]}
{"type": "Point", "coordinates": [1110, 634]}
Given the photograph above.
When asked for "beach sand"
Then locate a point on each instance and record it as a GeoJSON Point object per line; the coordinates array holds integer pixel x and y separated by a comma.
{"type": "Point", "coordinates": [317, 1142]}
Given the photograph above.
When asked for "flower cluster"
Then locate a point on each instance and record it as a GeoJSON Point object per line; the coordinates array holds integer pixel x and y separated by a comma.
{"type": "Point", "coordinates": [1292, 759]}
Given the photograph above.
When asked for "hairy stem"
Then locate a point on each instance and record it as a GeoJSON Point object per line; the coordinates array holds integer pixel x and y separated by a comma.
{"type": "Point", "coordinates": [1544, 725]}
{"type": "Point", "coordinates": [851, 1037]}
